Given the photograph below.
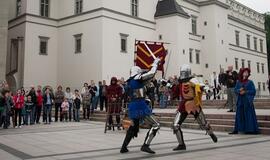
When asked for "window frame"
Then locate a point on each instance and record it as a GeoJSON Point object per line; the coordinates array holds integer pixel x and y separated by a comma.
{"type": "Point", "coordinates": [263, 69]}
{"type": "Point", "coordinates": [40, 10]}
{"type": "Point", "coordinates": [255, 41]}
{"type": "Point", "coordinates": [124, 37]}
{"type": "Point", "coordinates": [258, 67]}
{"type": "Point", "coordinates": [77, 37]}
{"type": "Point", "coordinates": [261, 45]}
{"type": "Point", "coordinates": [242, 63]}
{"type": "Point", "coordinates": [249, 64]}
{"type": "Point", "coordinates": [43, 39]}
{"type": "Point", "coordinates": [197, 56]}
{"type": "Point", "coordinates": [237, 38]}
{"type": "Point", "coordinates": [194, 25]}
{"type": "Point", "coordinates": [190, 55]}
{"type": "Point", "coordinates": [248, 41]}
{"type": "Point", "coordinates": [134, 8]}
{"type": "Point", "coordinates": [80, 2]}
{"type": "Point", "coordinates": [18, 7]}
{"type": "Point", "coordinates": [236, 64]}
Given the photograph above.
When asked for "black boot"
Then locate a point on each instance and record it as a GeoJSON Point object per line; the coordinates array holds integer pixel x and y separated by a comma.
{"type": "Point", "coordinates": [180, 147]}
{"type": "Point", "coordinates": [214, 137]}
{"type": "Point", "coordinates": [147, 149]}
{"type": "Point", "coordinates": [126, 142]}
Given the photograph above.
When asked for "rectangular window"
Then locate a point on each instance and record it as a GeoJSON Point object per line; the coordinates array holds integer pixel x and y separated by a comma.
{"type": "Point", "coordinates": [258, 67]}
{"type": "Point", "coordinates": [255, 44]}
{"type": "Point", "coordinates": [123, 42]}
{"type": "Point", "coordinates": [259, 86]}
{"type": "Point", "coordinates": [78, 43]}
{"type": "Point", "coordinates": [243, 63]}
{"type": "Point", "coordinates": [134, 8]}
{"type": "Point", "coordinates": [261, 45]}
{"type": "Point", "coordinates": [237, 38]}
{"type": "Point", "coordinates": [248, 41]}
{"type": "Point", "coordinates": [249, 64]}
{"type": "Point", "coordinates": [264, 87]}
{"type": "Point", "coordinates": [18, 7]}
{"type": "Point", "coordinates": [78, 6]}
{"type": "Point", "coordinates": [194, 25]}
{"type": "Point", "coordinates": [262, 68]}
{"type": "Point", "coordinates": [236, 63]}
{"type": "Point", "coordinates": [43, 45]}
{"type": "Point", "coordinates": [44, 8]}
{"type": "Point", "coordinates": [197, 57]}
{"type": "Point", "coordinates": [190, 56]}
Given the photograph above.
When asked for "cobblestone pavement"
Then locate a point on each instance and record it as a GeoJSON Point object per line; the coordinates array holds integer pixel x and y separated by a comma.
{"type": "Point", "coordinates": [86, 140]}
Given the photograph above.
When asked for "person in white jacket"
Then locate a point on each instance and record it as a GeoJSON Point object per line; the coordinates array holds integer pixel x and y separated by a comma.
{"type": "Point", "coordinates": [214, 83]}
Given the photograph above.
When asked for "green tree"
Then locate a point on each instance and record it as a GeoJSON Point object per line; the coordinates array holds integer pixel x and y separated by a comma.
{"type": "Point", "coordinates": [267, 29]}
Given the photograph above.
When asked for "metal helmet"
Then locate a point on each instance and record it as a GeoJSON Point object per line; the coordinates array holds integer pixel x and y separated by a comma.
{"type": "Point", "coordinates": [135, 70]}
{"type": "Point", "coordinates": [185, 72]}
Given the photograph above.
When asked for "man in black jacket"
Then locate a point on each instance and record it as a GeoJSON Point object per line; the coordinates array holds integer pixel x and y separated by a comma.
{"type": "Point", "coordinates": [231, 79]}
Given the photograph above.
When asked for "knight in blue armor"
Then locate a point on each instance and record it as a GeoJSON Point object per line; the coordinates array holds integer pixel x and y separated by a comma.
{"type": "Point", "coordinates": [138, 109]}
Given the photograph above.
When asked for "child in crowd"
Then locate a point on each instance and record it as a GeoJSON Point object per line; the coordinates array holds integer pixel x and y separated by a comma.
{"type": "Point", "coordinates": [77, 105]}
{"type": "Point", "coordinates": [29, 105]}
{"type": "Point", "coordinates": [65, 108]}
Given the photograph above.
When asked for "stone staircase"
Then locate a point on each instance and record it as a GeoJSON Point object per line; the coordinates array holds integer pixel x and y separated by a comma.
{"type": "Point", "coordinates": [223, 122]}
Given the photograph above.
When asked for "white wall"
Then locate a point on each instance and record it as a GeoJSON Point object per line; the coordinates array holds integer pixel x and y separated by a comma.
{"type": "Point", "coordinates": [75, 69]}
{"type": "Point", "coordinates": [40, 69]}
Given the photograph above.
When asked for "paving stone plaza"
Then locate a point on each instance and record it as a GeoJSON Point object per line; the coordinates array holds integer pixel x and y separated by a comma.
{"type": "Point", "coordinates": [86, 140]}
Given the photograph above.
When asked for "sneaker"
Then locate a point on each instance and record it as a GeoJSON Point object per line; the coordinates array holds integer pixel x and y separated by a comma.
{"type": "Point", "coordinates": [16, 126]}
{"type": "Point", "coordinates": [20, 126]}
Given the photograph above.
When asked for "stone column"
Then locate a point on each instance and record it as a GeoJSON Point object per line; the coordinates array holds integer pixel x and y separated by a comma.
{"type": "Point", "coordinates": [3, 37]}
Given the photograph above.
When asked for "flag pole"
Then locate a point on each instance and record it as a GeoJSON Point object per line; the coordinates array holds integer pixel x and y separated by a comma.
{"type": "Point", "coordinates": [135, 53]}
{"type": "Point", "coordinates": [167, 66]}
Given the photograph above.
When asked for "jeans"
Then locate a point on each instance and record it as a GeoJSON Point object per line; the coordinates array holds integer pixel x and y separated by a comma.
{"type": "Point", "coordinates": [38, 113]}
{"type": "Point", "coordinates": [28, 117]}
{"type": "Point", "coordinates": [70, 110]}
{"type": "Point", "coordinates": [86, 111]}
{"type": "Point", "coordinates": [18, 114]}
{"type": "Point", "coordinates": [48, 112]}
{"type": "Point", "coordinates": [33, 119]}
{"type": "Point", "coordinates": [77, 114]}
{"type": "Point", "coordinates": [231, 98]}
{"type": "Point", "coordinates": [163, 101]}
{"type": "Point", "coordinates": [103, 100]}
{"type": "Point", "coordinates": [95, 102]}
{"type": "Point", "coordinates": [57, 108]}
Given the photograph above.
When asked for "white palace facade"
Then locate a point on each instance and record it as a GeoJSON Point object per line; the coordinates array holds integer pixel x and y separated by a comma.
{"type": "Point", "coordinates": [69, 42]}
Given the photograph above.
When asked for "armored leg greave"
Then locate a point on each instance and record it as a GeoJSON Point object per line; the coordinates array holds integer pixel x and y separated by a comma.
{"type": "Point", "coordinates": [201, 119]}
{"type": "Point", "coordinates": [155, 126]}
{"type": "Point", "coordinates": [179, 119]}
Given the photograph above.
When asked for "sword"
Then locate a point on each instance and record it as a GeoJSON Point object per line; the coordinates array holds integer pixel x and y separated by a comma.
{"type": "Point", "coordinates": [149, 50]}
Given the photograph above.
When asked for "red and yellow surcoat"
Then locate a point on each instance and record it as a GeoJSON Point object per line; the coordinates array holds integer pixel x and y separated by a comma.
{"type": "Point", "coordinates": [191, 97]}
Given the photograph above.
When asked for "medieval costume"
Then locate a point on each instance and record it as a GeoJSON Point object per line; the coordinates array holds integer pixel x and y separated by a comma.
{"type": "Point", "coordinates": [190, 93]}
{"type": "Point", "coordinates": [114, 95]}
{"type": "Point", "coordinates": [245, 119]}
{"type": "Point", "coordinates": [138, 108]}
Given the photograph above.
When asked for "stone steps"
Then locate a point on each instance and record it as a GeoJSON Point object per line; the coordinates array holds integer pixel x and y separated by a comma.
{"type": "Point", "coordinates": [215, 104]}
{"type": "Point", "coordinates": [219, 122]}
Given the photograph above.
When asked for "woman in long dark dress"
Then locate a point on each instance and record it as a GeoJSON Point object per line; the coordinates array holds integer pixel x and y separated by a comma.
{"type": "Point", "coordinates": [245, 119]}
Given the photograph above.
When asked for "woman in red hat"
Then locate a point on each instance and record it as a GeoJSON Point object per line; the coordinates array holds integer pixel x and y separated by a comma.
{"type": "Point", "coordinates": [245, 119]}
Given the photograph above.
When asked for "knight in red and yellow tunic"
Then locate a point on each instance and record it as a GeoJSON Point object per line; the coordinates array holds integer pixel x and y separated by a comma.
{"type": "Point", "coordinates": [190, 94]}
